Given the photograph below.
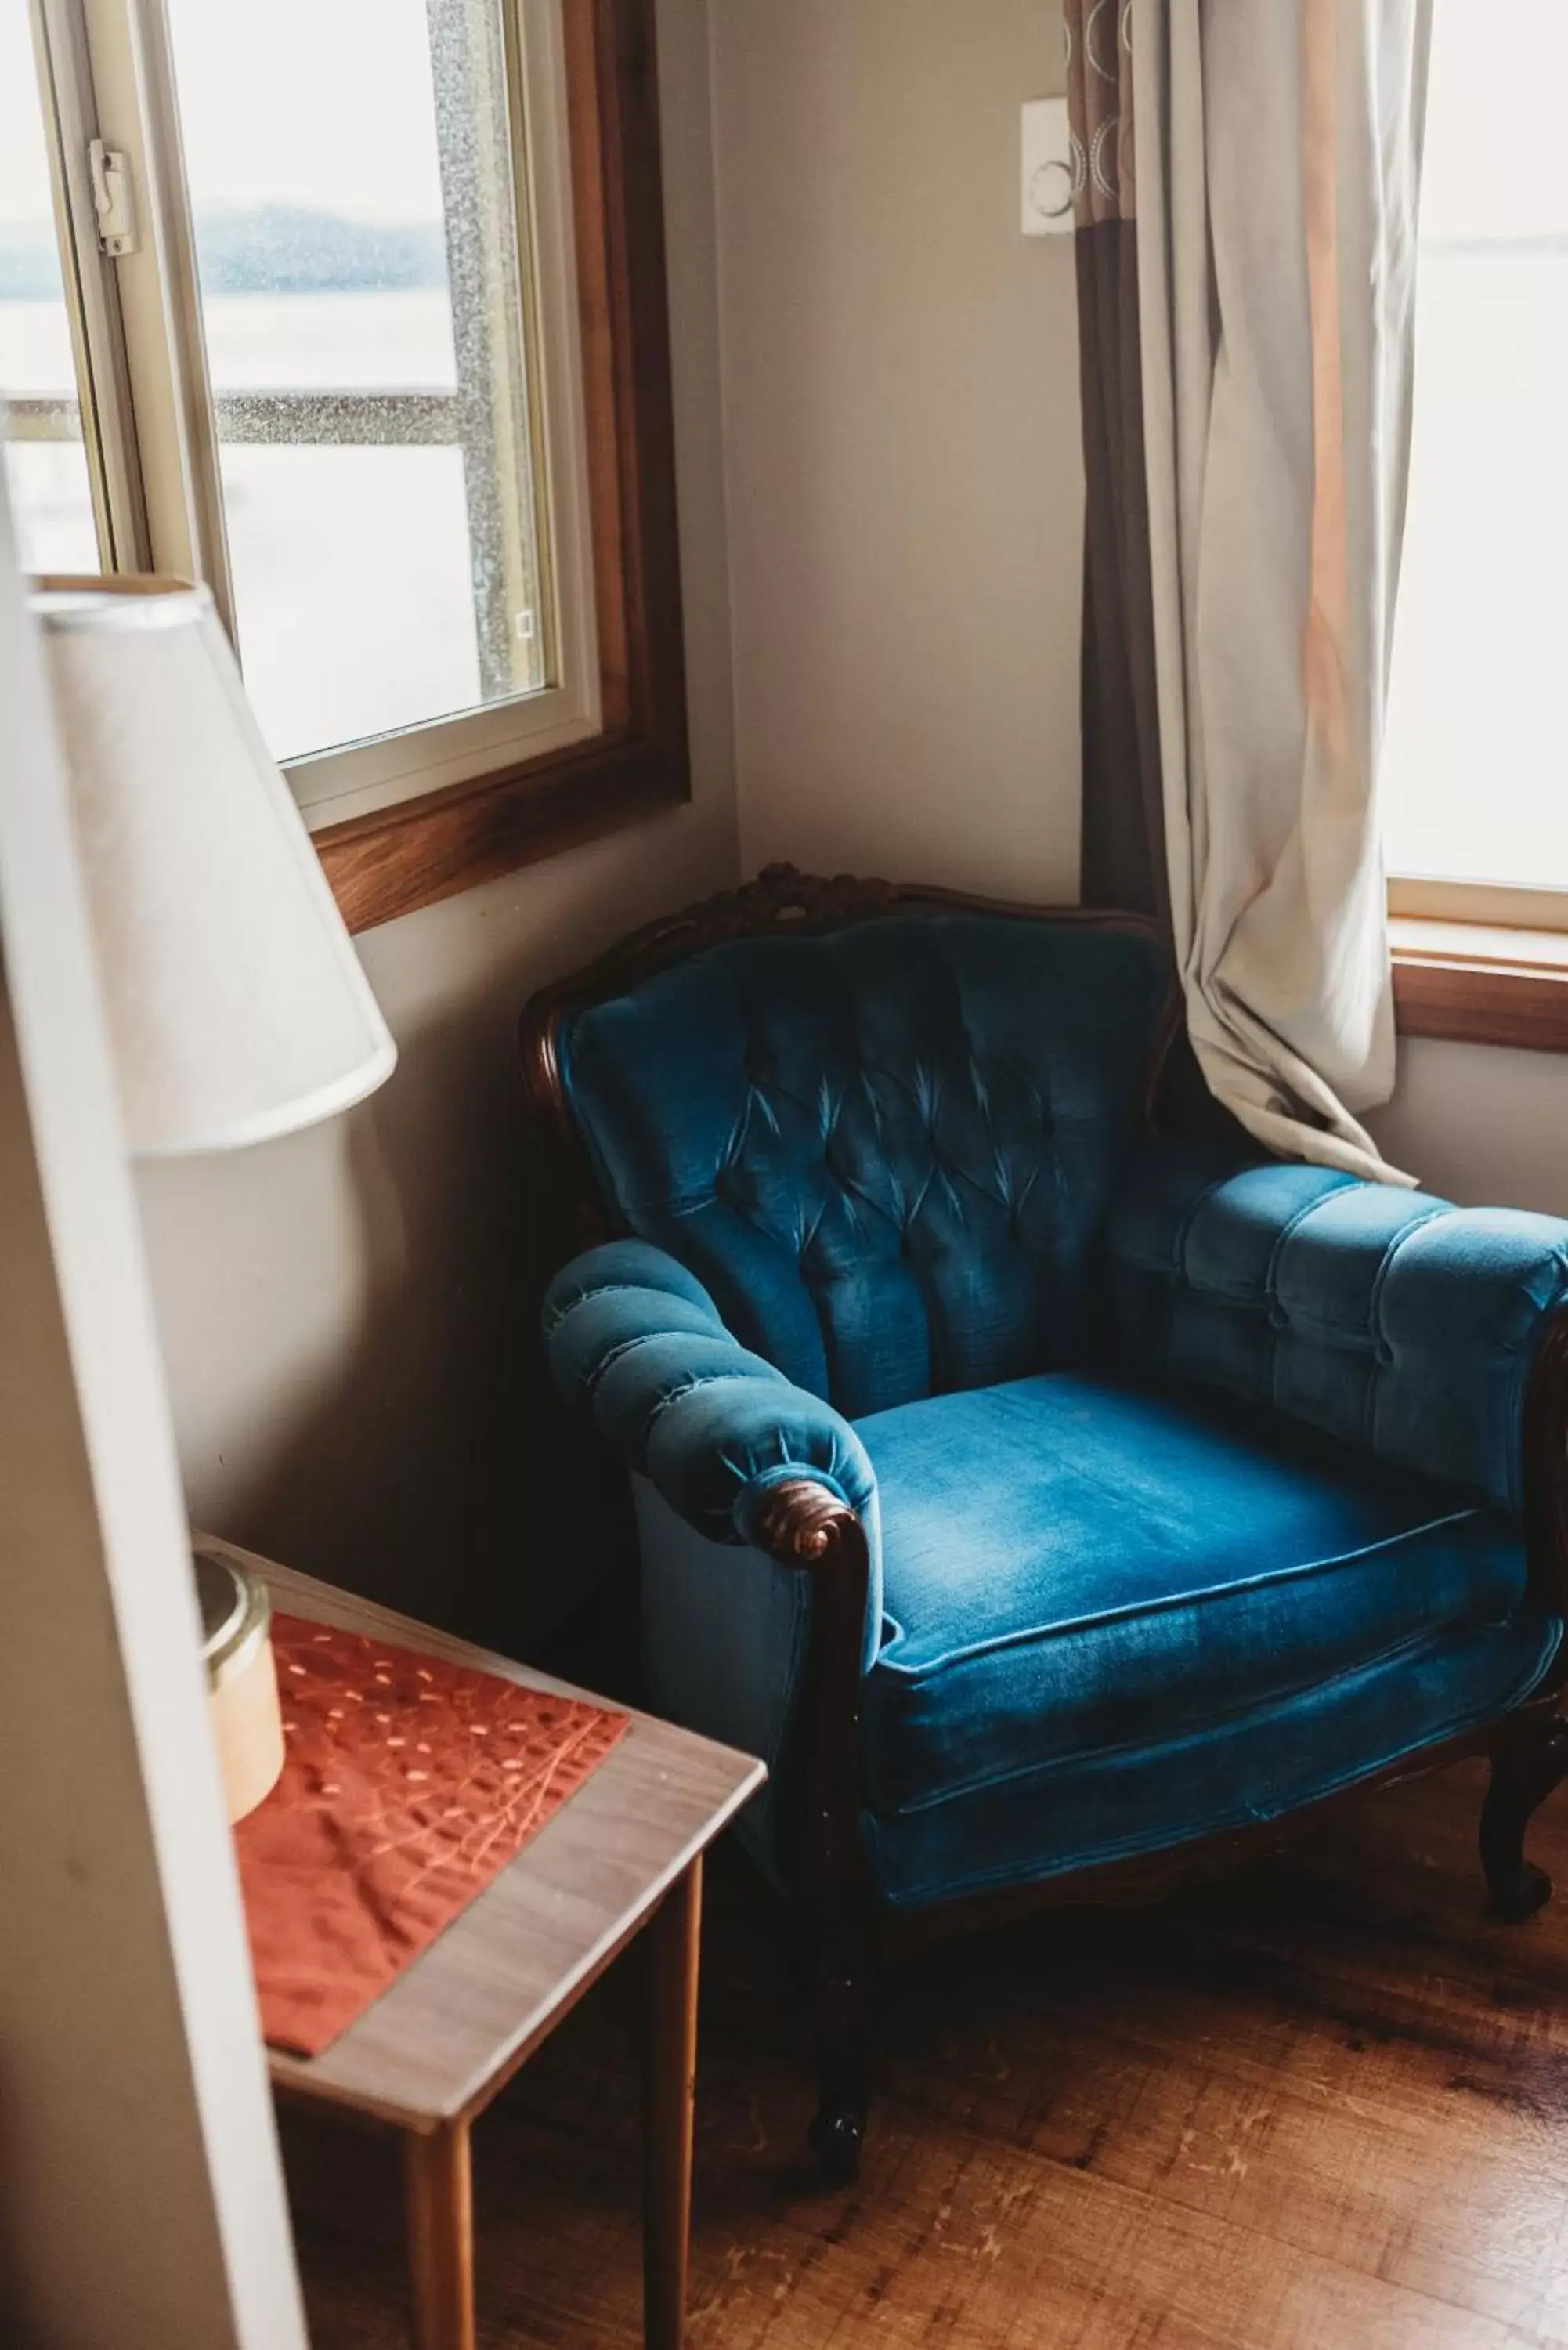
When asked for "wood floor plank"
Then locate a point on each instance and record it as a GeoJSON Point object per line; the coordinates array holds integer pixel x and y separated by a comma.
{"type": "Point", "coordinates": [1322, 2107]}
{"type": "Point", "coordinates": [1429, 2181]}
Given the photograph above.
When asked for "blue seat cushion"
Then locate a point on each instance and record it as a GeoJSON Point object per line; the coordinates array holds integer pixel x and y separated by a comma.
{"type": "Point", "coordinates": [1115, 1621]}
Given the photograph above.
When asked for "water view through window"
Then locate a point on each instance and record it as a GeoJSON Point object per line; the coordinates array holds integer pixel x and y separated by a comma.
{"type": "Point", "coordinates": [357, 240]}
{"type": "Point", "coordinates": [355, 196]}
{"type": "Point", "coordinates": [1475, 787]}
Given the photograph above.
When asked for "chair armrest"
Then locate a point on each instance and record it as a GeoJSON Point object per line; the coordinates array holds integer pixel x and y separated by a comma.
{"type": "Point", "coordinates": [1394, 1321]}
{"type": "Point", "coordinates": [714, 1427]}
{"type": "Point", "coordinates": [743, 1457]}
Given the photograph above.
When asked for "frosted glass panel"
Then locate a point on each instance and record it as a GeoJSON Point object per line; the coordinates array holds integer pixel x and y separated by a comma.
{"type": "Point", "coordinates": [351, 578]}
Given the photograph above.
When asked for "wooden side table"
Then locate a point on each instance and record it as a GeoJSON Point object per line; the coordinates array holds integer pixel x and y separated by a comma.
{"type": "Point", "coordinates": [625, 1854]}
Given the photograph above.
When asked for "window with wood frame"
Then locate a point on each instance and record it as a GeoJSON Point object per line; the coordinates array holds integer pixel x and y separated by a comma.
{"type": "Point", "coordinates": [1475, 766]}
{"type": "Point", "coordinates": [355, 309]}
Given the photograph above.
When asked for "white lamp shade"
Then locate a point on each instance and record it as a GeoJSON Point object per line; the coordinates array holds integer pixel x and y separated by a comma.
{"type": "Point", "coordinates": [236, 1005]}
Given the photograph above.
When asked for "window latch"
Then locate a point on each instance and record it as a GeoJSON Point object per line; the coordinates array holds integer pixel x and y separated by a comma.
{"type": "Point", "coordinates": [113, 203]}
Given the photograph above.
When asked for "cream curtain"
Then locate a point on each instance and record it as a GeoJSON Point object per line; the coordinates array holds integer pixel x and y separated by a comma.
{"type": "Point", "coordinates": [1277, 165]}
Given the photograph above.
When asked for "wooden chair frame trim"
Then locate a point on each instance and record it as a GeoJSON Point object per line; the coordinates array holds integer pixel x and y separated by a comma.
{"type": "Point", "coordinates": [397, 859]}
{"type": "Point", "coordinates": [809, 1530]}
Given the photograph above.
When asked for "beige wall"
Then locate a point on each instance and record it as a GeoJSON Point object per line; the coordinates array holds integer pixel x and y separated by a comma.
{"type": "Point", "coordinates": [344, 1313]}
{"type": "Point", "coordinates": [901, 434]}
{"type": "Point", "coordinates": [1480, 1125]}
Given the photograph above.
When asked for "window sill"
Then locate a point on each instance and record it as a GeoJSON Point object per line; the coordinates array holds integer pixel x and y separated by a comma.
{"type": "Point", "coordinates": [401, 858]}
{"type": "Point", "coordinates": [1481, 983]}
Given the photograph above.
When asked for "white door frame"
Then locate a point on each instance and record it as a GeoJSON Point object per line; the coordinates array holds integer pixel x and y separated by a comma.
{"type": "Point", "coordinates": [141, 2204]}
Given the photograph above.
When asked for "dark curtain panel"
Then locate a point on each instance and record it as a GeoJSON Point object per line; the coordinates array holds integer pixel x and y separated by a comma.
{"type": "Point", "coordinates": [1123, 857]}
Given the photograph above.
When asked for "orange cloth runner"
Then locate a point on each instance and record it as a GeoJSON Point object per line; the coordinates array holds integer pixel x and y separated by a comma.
{"type": "Point", "coordinates": [407, 1785]}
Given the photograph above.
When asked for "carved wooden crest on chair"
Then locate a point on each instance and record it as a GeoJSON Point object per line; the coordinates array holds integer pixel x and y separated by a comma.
{"type": "Point", "coordinates": [1063, 1500]}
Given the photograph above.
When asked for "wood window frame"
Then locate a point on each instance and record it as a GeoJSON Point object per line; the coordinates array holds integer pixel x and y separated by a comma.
{"type": "Point", "coordinates": [387, 863]}
{"type": "Point", "coordinates": [1482, 963]}
{"type": "Point", "coordinates": [1480, 983]}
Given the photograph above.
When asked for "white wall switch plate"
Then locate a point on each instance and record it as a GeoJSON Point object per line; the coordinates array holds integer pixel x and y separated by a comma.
{"type": "Point", "coordinates": [1049, 179]}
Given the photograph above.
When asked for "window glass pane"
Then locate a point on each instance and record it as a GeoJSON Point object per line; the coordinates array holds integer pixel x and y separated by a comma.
{"type": "Point", "coordinates": [46, 462]}
{"type": "Point", "coordinates": [351, 176]}
{"type": "Point", "coordinates": [1475, 772]}
{"type": "Point", "coordinates": [362, 552]}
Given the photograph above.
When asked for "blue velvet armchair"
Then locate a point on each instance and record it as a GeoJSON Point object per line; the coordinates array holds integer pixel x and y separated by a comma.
{"type": "Point", "coordinates": [1054, 1497]}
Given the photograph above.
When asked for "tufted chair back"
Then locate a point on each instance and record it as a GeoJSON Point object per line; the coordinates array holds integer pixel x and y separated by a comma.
{"type": "Point", "coordinates": [886, 1149]}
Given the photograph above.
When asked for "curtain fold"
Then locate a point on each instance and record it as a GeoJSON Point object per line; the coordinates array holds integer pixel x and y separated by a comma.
{"type": "Point", "coordinates": [1277, 166]}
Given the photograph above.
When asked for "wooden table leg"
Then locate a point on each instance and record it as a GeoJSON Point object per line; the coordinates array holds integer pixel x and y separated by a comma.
{"type": "Point", "coordinates": [440, 2186]}
{"type": "Point", "coordinates": [670, 2079]}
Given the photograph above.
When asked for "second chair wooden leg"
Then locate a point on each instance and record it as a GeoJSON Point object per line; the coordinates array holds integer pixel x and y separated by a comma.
{"type": "Point", "coordinates": [671, 1949]}
{"type": "Point", "coordinates": [1530, 1759]}
{"type": "Point", "coordinates": [440, 2186]}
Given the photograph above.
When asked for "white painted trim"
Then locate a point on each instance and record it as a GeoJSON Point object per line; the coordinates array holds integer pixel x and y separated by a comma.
{"type": "Point", "coordinates": [1498, 904]}
{"type": "Point", "coordinates": [133, 2060]}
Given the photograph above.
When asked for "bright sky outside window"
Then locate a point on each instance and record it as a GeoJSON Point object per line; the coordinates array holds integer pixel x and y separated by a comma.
{"type": "Point", "coordinates": [44, 459]}
{"type": "Point", "coordinates": [1475, 767]}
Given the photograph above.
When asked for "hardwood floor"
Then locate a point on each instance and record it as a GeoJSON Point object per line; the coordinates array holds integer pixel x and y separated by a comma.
{"type": "Point", "coordinates": [1323, 2106]}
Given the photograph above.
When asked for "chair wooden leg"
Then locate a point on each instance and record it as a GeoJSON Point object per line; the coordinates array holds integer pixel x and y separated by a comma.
{"type": "Point", "coordinates": [847, 1978]}
{"type": "Point", "coordinates": [670, 1952]}
{"type": "Point", "coordinates": [439, 2181]}
{"type": "Point", "coordinates": [1529, 1758]}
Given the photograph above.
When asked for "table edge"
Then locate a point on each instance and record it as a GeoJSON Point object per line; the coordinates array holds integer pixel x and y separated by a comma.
{"type": "Point", "coordinates": [296, 2073]}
